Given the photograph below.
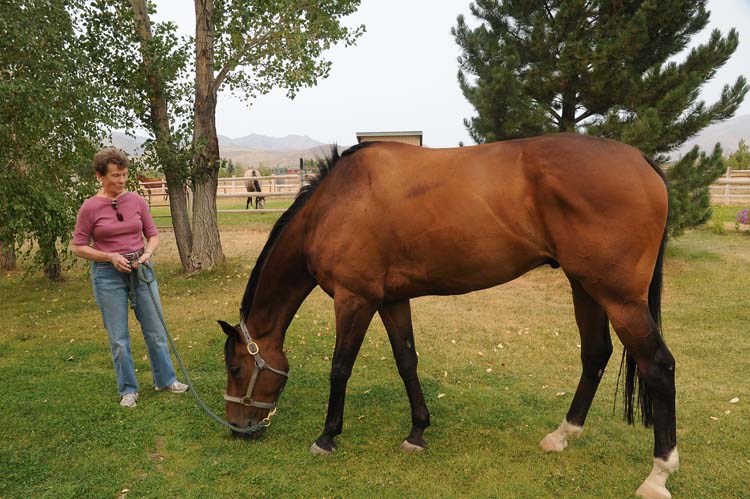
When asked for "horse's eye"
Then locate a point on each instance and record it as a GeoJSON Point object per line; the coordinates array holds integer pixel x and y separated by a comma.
{"type": "Point", "coordinates": [234, 371]}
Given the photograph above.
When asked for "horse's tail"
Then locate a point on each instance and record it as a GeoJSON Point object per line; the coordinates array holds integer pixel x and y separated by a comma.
{"type": "Point", "coordinates": [645, 403]}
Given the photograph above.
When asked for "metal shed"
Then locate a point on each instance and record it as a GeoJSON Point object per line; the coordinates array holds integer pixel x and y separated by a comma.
{"type": "Point", "coordinates": [413, 137]}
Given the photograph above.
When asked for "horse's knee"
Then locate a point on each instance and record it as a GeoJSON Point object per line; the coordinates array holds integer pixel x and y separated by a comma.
{"type": "Point", "coordinates": [340, 373]}
{"type": "Point", "coordinates": [407, 367]}
{"type": "Point", "coordinates": [595, 359]}
{"type": "Point", "coordinates": [598, 357]}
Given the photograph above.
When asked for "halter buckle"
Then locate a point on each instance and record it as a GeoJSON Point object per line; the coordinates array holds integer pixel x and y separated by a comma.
{"type": "Point", "coordinates": [252, 348]}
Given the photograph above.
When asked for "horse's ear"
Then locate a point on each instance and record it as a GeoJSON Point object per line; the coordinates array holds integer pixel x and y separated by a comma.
{"type": "Point", "coordinates": [229, 330]}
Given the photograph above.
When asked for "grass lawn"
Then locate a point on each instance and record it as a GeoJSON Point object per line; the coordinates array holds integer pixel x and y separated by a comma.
{"type": "Point", "coordinates": [498, 367]}
{"type": "Point", "coordinates": [160, 212]}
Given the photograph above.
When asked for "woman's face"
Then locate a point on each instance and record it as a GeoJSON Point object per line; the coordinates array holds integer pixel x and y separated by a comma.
{"type": "Point", "coordinates": [114, 181]}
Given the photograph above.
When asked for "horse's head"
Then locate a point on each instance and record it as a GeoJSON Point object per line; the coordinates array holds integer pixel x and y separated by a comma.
{"type": "Point", "coordinates": [255, 378]}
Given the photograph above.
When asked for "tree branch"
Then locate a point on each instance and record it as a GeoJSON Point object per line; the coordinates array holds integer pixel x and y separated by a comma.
{"type": "Point", "coordinates": [549, 11]}
{"type": "Point", "coordinates": [235, 58]}
{"type": "Point", "coordinates": [585, 115]}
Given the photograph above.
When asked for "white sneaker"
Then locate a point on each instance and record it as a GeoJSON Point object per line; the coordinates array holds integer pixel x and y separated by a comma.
{"type": "Point", "coordinates": [129, 400]}
{"type": "Point", "coordinates": [175, 387]}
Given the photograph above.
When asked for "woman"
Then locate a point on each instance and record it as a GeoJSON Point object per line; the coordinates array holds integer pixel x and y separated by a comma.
{"type": "Point", "coordinates": [116, 221]}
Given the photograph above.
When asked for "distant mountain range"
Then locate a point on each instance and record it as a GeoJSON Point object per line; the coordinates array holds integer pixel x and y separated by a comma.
{"type": "Point", "coordinates": [254, 150]}
{"type": "Point", "coordinates": [255, 141]}
{"type": "Point", "coordinates": [249, 151]}
{"type": "Point", "coordinates": [728, 133]}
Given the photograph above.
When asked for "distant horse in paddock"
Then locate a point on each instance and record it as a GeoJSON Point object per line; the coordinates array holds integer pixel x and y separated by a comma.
{"type": "Point", "coordinates": [253, 185]}
{"type": "Point", "coordinates": [372, 232]}
{"type": "Point", "coordinates": [153, 183]}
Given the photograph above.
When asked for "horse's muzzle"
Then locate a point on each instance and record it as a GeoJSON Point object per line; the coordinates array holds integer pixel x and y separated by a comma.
{"type": "Point", "coordinates": [248, 436]}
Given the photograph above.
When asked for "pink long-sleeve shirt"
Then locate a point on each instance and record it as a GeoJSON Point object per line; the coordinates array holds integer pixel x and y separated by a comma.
{"type": "Point", "coordinates": [97, 222]}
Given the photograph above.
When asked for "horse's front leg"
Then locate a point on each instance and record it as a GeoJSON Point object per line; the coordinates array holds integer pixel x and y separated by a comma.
{"type": "Point", "coordinates": [353, 316]}
{"type": "Point", "coordinates": [397, 320]}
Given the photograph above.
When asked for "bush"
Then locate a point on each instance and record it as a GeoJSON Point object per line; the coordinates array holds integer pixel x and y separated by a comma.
{"type": "Point", "coordinates": [742, 218]}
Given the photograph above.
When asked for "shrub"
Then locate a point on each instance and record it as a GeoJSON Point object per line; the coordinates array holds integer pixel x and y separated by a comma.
{"type": "Point", "coordinates": [742, 218]}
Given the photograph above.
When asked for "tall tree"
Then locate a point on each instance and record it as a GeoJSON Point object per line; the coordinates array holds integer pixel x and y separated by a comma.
{"type": "Point", "coordinates": [598, 66]}
{"type": "Point", "coordinates": [51, 115]}
{"type": "Point", "coordinates": [739, 159]}
{"type": "Point", "coordinates": [245, 46]}
{"type": "Point", "coordinates": [595, 66]}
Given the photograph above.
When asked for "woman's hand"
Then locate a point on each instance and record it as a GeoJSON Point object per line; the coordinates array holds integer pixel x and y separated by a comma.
{"type": "Point", "coordinates": [120, 263]}
{"type": "Point", "coordinates": [143, 258]}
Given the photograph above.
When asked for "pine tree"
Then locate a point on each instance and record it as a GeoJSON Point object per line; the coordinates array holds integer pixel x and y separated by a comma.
{"type": "Point", "coordinates": [599, 67]}
{"type": "Point", "coordinates": [689, 180]}
{"type": "Point", "coordinates": [739, 159]}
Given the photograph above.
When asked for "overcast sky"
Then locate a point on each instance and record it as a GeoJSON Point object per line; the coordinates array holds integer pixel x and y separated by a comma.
{"type": "Point", "coordinates": [401, 75]}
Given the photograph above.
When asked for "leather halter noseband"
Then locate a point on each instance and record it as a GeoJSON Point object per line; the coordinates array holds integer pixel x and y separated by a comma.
{"type": "Point", "coordinates": [260, 365]}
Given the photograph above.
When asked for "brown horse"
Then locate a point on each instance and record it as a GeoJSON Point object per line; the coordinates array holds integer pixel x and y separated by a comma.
{"type": "Point", "coordinates": [253, 185]}
{"type": "Point", "coordinates": [372, 233]}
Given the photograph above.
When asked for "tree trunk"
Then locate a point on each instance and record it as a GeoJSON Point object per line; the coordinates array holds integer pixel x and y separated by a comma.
{"type": "Point", "coordinates": [207, 251]}
{"type": "Point", "coordinates": [7, 256]}
{"type": "Point", "coordinates": [568, 117]}
{"type": "Point", "coordinates": [52, 264]}
{"type": "Point", "coordinates": [165, 148]}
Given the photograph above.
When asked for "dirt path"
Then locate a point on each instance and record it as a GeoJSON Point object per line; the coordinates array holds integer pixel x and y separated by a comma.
{"type": "Point", "coordinates": [244, 243]}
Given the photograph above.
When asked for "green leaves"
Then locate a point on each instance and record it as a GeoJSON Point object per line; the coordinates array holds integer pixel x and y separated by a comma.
{"type": "Point", "coordinates": [261, 45]}
{"type": "Point", "coordinates": [592, 67]}
{"type": "Point", "coordinates": [51, 117]}
{"type": "Point", "coordinates": [600, 68]}
{"type": "Point", "coordinates": [689, 181]}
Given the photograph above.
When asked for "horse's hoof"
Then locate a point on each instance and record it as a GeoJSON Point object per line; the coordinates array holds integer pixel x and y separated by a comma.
{"type": "Point", "coordinates": [553, 443]}
{"type": "Point", "coordinates": [652, 491]}
{"type": "Point", "coordinates": [407, 446]}
{"type": "Point", "coordinates": [318, 451]}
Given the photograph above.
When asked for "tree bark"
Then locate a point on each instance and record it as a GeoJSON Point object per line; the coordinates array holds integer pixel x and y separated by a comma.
{"type": "Point", "coordinates": [165, 148]}
{"type": "Point", "coordinates": [7, 256]}
{"type": "Point", "coordinates": [207, 251]}
{"type": "Point", "coordinates": [568, 115]}
{"type": "Point", "coordinates": [52, 263]}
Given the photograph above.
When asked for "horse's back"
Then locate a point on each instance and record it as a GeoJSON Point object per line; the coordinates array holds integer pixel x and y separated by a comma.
{"type": "Point", "coordinates": [413, 220]}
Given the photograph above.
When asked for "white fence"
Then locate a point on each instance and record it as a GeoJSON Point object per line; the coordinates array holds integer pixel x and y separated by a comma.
{"type": "Point", "coordinates": [732, 188]}
{"type": "Point", "coordinates": [272, 187]}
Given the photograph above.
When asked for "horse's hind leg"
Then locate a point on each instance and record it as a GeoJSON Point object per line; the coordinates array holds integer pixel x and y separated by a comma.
{"type": "Point", "coordinates": [640, 336]}
{"type": "Point", "coordinates": [596, 348]}
{"type": "Point", "coordinates": [397, 320]}
{"type": "Point", "coordinates": [353, 316]}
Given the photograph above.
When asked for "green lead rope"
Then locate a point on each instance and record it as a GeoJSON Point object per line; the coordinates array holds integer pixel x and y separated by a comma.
{"type": "Point", "coordinates": [142, 275]}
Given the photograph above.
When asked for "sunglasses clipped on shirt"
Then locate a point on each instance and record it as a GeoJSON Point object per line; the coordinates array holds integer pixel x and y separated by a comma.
{"type": "Point", "coordinates": [119, 215]}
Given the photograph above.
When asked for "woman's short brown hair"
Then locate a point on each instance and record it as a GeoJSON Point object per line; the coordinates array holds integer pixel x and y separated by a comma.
{"type": "Point", "coordinates": [109, 155]}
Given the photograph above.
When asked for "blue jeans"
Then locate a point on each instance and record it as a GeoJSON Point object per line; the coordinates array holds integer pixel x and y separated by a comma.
{"type": "Point", "coordinates": [111, 293]}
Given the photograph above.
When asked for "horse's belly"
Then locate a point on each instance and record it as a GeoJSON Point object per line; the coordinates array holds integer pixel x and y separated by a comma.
{"type": "Point", "coordinates": [458, 270]}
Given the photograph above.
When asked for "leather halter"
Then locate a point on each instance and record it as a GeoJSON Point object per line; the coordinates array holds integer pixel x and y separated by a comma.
{"type": "Point", "coordinates": [260, 365]}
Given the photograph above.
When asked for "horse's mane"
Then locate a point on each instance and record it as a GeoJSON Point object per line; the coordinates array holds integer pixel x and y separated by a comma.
{"type": "Point", "coordinates": [325, 165]}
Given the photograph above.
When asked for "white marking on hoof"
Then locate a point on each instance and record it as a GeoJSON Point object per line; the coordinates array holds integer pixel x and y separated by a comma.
{"type": "Point", "coordinates": [407, 446]}
{"type": "Point", "coordinates": [558, 439]}
{"type": "Point", "coordinates": [318, 451]}
{"type": "Point", "coordinates": [654, 486]}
